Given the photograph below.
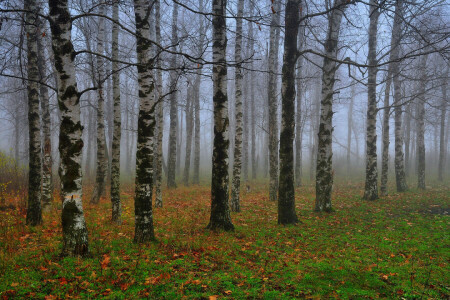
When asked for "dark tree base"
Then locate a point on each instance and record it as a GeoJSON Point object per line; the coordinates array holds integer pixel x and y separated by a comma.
{"type": "Point", "coordinates": [225, 226]}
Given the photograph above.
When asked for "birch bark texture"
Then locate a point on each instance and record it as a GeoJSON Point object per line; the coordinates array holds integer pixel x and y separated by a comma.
{"type": "Point", "coordinates": [286, 190]}
{"type": "Point", "coordinates": [47, 186]}
{"type": "Point", "coordinates": [400, 177]}
{"type": "Point", "coordinates": [160, 113]}
{"type": "Point", "coordinates": [273, 101]}
{"type": "Point", "coordinates": [371, 185]}
{"type": "Point", "coordinates": [172, 156]}
{"type": "Point", "coordinates": [237, 166]}
{"type": "Point", "coordinates": [144, 231]}
{"type": "Point", "coordinates": [115, 149]}
{"type": "Point", "coordinates": [75, 235]}
{"type": "Point", "coordinates": [99, 188]}
{"type": "Point", "coordinates": [34, 210]}
{"type": "Point", "coordinates": [220, 211]}
{"type": "Point", "coordinates": [324, 165]}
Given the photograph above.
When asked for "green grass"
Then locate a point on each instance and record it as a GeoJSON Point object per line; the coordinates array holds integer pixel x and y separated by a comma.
{"type": "Point", "coordinates": [395, 247]}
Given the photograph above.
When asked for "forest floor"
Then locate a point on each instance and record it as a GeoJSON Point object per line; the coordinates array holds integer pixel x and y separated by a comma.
{"type": "Point", "coordinates": [395, 247]}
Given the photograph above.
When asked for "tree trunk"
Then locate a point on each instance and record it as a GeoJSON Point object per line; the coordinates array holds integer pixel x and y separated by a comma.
{"type": "Point", "coordinates": [273, 101]}
{"type": "Point", "coordinates": [172, 156]}
{"type": "Point", "coordinates": [189, 128]}
{"type": "Point", "coordinates": [286, 191]}
{"type": "Point", "coordinates": [420, 123]}
{"type": "Point", "coordinates": [220, 212]}
{"type": "Point", "coordinates": [144, 231]}
{"type": "Point", "coordinates": [399, 157]}
{"type": "Point", "coordinates": [75, 236]}
{"type": "Point", "coordinates": [47, 186]}
{"type": "Point", "coordinates": [237, 165]}
{"type": "Point", "coordinates": [115, 151]}
{"type": "Point", "coordinates": [407, 134]}
{"type": "Point", "coordinates": [442, 141]}
{"type": "Point", "coordinates": [159, 109]}
{"type": "Point", "coordinates": [201, 44]}
{"type": "Point", "coordinates": [371, 186]}
{"type": "Point", "coordinates": [385, 137]}
{"type": "Point", "coordinates": [350, 125]}
{"type": "Point", "coordinates": [324, 165]}
{"type": "Point", "coordinates": [251, 48]}
{"type": "Point", "coordinates": [99, 188]}
{"type": "Point", "coordinates": [298, 116]}
{"type": "Point", "coordinates": [34, 211]}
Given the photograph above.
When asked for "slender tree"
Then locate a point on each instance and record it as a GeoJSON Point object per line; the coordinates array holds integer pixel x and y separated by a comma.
{"type": "Point", "coordinates": [236, 181]}
{"type": "Point", "coordinates": [220, 211]}
{"type": "Point", "coordinates": [34, 211]}
{"type": "Point", "coordinates": [144, 231]}
{"type": "Point", "coordinates": [47, 186]}
{"type": "Point", "coordinates": [75, 235]}
{"type": "Point", "coordinates": [160, 113]}
{"type": "Point", "coordinates": [273, 101]}
{"type": "Point", "coordinates": [115, 151]}
{"type": "Point", "coordinates": [371, 187]}
{"type": "Point", "coordinates": [286, 191]}
{"type": "Point", "coordinates": [442, 140]}
{"type": "Point", "coordinates": [324, 165]}
{"type": "Point", "coordinates": [399, 156]}
{"type": "Point", "coordinates": [172, 156]}
{"type": "Point", "coordinates": [420, 123]}
{"type": "Point", "coordinates": [99, 188]}
{"type": "Point", "coordinates": [189, 111]}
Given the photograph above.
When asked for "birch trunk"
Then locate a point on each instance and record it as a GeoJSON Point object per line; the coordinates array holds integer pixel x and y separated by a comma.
{"type": "Point", "coordinates": [220, 212]}
{"type": "Point", "coordinates": [237, 165]}
{"type": "Point", "coordinates": [420, 123]}
{"type": "Point", "coordinates": [273, 101]}
{"type": "Point", "coordinates": [407, 135]}
{"type": "Point", "coordinates": [324, 165]}
{"type": "Point", "coordinates": [34, 211]}
{"type": "Point", "coordinates": [251, 47]}
{"type": "Point", "coordinates": [201, 44]}
{"type": "Point", "coordinates": [371, 186]}
{"type": "Point", "coordinates": [159, 109]}
{"type": "Point", "coordinates": [189, 128]}
{"type": "Point", "coordinates": [399, 156]}
{"type": "Point", "coordinates": [442, 140]}
{"type": "Point", "coordinates": [75, 235]}
{"type": "Point", "coordinates": [286, 191]}
{"type": "Point", "coordinates": [385, 135]}
{"type": "Point", "coordinates": [172, 156]}
{"type": "Point", "coordinates": [298, 116]}
{"type": "Point", "coordinates": [47, 187]}
{"type": "Point", "coordinates": [144, 231]}
{"type": "Point", "coordinates": [350, 125]}
{"type": "Point", "coordinates": [99, 188]}
{"type": "Point", "coordinates": [115, 149]}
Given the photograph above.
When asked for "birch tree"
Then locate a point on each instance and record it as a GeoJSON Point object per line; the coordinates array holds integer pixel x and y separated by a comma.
{"type": "Point", "coordinates": [371, 186]}
{"type": "Point", "coordinates": [115, 150]}
{"type": "Point", "coordinates": [34, 211]}
{"type": "Point", "coordinates": [442, 140]}
{"type": "Point", "coordinates": [144, 231]}
{"type": "Point", "coordinates": [286, 190]}
{"type": "Point", "coordinates": [220, 211]}
{"type": "Point", "coordinates": [272, 99]}
{"type": "Point", "coordinates": [75, 235]}
{"type": "Point", "coordinates": [172, 156]}
{"type": "Point", "coordinates": [298, 114]}
{"type": "Point", "coordinates": [160, 113]}
{"type": "Point", "coordinates": [99, 188]}
{"type": "Point", "coordinates": [237, 166]}
{"type": "Point", "coordinates": [399, 156]}
{"type": "Point", "coordinates": [324, 165]}
{"type": "Point", "coordinates": [420, 123]}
